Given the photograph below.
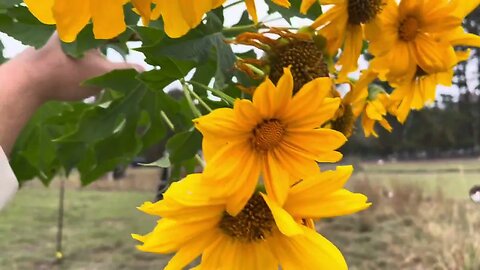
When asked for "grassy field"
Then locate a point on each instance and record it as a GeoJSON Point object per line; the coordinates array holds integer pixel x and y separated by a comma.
{"type": "Point", "coordinates": [421, 219]}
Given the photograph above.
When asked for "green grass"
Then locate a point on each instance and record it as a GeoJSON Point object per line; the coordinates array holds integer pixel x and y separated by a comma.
{"type": "Point", "coordinates": [430, 223]}
{"type": "Point", "coordinates": [96, 234]}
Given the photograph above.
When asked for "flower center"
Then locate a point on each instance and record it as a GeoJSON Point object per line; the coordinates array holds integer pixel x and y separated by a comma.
{"type": "Point", "coordinates": [268, 134]}
{"type": "Point", "coordinates": [255, 222]}
{"type": "Point", "coordinates": [306, 59]}
{"type": "Point", "coordinates": [408, 29]}
{"type": "Point", "coordinates": [420, 72]}
{"type": "Point", "coordinates": [363, 11]}
{"type": "Point", "coordinates": [345, 123]}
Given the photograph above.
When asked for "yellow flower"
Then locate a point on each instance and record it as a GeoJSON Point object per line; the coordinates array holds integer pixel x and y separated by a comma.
{"type": "Point", "coordinates": [418, 33]}
{"type": "Point", "coordinates": [263, 236]}
{"type": "Point", "coordinates": [71, 16]}
{"type": "Point", "coordinates": [181, 16]}
{"type": "Point", "coordinates": [342, 26]}
{"type": "Point", "coordinates": [372, 103]}
{"type": "Point", "coordinates": [274, 135]}
{"type": "Point", "coordinates": [415, 92]}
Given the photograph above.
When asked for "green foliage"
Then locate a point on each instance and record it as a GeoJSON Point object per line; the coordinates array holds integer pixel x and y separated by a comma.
{"type": "Point", "coordinates": [135, 111]}
{"type": "Point", "coordinates": [17, 22]}
{"type": "Point", "coordinates": [294, 10]}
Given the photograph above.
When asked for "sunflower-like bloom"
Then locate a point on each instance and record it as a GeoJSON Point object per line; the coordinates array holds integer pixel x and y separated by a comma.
{"type": "Point", "coordinates": [71, 16]}
{"type": "Point", "coordinates": [371, 103]}
{"type": "Point", "coordinates": [342, 25]}
{"type": "Point", "coordinates": [181, 16]}
{"type": "Point", "coordinates": [274, 135]}
{"type": "Point", "coordinates": [418, 34]}
{"type": "Point", "coordinates": [419, 90]}
{"type": "Point", "coordinates": [263, 236]}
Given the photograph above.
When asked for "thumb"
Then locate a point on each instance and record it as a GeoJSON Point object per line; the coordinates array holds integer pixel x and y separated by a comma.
{"type": "Point", "coordinates": [124, 65]}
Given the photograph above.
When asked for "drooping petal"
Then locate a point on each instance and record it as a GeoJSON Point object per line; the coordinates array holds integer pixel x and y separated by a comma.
{"type": "Point", "coordinates": [306, 4]}
{"type": "Point", "coordinates": [319, 185]}
{"type": "Point", "coordinates": [307, 251]}
{"type": "Point", "coordinates": [285, 222]}
{"type": "Point", "coordinates": [276, 178]}
{"type": "Point", "coordinates": [42, 10]}
{"type": "Point", "coordinates": [192, 250]}
{"type": "Point", "coordinates": [252, 9]}
{"type": "Point", "coordinates": [71, 17]}
{"type": "Point", "coordinates": [144, 8]}
{"type": "Point", "coordinates": [351, 51]}
{"type": "Point", "coordinates": [108, 18]}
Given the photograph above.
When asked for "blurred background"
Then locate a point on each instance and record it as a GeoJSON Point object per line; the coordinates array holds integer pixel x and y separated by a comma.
{"type": "Point", "coordinates": [423, 180]}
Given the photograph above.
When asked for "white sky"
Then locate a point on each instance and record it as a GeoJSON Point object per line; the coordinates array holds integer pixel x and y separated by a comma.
{"type": "Point", "coordinates": [13, 47]}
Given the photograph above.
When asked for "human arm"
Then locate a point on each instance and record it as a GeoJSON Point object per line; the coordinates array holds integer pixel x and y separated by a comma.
{"type": "Point", "coordinates": [37, 76]}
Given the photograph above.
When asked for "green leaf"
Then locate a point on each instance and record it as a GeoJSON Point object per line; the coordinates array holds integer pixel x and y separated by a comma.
{"type": "Point", "coordinates": [21, 25]}
{"type": "Point", "coordinates": [85, 41]}
{"type": "Point", "coordinates": [2, 58]}
{"type": "Point", "coordinates": [294, 11]}
{"type": "Point", "coordinates": [184, 145]}
{"type": "Point", "coordinates": [164, 162]}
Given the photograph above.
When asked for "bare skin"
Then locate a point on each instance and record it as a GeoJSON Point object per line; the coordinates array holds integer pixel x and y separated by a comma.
{"type": "Point", "coordinates": [37, 76]}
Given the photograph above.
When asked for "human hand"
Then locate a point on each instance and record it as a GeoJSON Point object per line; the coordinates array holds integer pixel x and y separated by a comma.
{"type": "Point", "coordinates": [37, 76]}
{"type": "Point", "coordinates": [57, 76]}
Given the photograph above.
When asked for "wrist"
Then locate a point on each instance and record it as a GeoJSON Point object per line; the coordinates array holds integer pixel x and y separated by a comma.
{"type": "Point", "coordinates": [18, 99]}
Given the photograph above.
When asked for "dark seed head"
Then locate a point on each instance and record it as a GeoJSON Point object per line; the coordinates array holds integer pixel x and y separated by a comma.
{"type": "Point", "coordinates": [306, 59]}
{"type": "Point", "coordinates": [363, 11]}
{"type": "Point", "coordinates": [254, 223]}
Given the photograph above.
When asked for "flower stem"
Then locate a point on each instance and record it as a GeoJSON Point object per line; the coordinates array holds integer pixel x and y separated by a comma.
{"type": "Point", "coordinates": [167, 120]}
{"type": "Point", "coordinates": [230, 100]}
{"type": "Point", "coordinates": [232, 4]}
{"type": "Point", "coordinates": [200, 100]}
{"type": "Point", "coordinates": [253, 68]}
{"type": "Point", "coordinates": [192, 106]}
{"type": "Point", "coordinates": [242, 28]}
{"type": "Point", "coordinates": [200, 160]}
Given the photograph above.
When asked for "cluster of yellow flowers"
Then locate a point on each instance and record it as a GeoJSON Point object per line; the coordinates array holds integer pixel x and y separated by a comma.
{"type": "Point", "coordinates": [71, 16]}
{"type": "Point", "coordinates": [255, 204]}
{"type": "Point", "coordinates": [224, 213]}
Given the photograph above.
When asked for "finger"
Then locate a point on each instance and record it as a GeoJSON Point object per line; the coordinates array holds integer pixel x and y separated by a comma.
{"type": "Point", "coordinates": [125, 65]}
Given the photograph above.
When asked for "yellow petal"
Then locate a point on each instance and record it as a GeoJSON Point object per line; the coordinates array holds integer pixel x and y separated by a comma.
{"type": "Point", "coordinates": [305, 6]}
{"type": "Point", "coordinates": [162, 240]}
{"type": "Point", "coordinates": [307, 251]}
{"type": "Point", "coordinates": [315, 141]}
{"type": "Point", "coordinates": [239, 256]}
{"type": "Point", "coordinates": [42, 10]}
{"type": "Point", "coordinates": [310, 117]}
{"type": "Point", "coordinates": [285, 222]}
{"type": "Point", "coordinates": [108, 18]}
{"type": "Point", "coordinates": [283, 3]}
{"type": "Point", "coordinates": [246, 182]}
{"type": "Point", "coordinates": [352, 49]}
{"type": "Point", "coordinates": [276, 178]}
{"type": "Point", "coordinates": [175, 24]}
{"type": "Point", "coordinates": [252, 10]}
{"type": "Point", "coordinates": [191, 250]}
{"type": "Point", "coordinates": [246, 112]}
{"type": "Point", "coordinates": [221, 123]}
{"type": "Point", "coordinates": [319, 185]}
{"type": "Point", "coordinates": [71, 17]}
{"type": "Point", "coordinates": [264, 99]}
{"type": "Point", "coordinates": [144, 8]}
{"type": "Point", "coordinates": [307, 101]}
